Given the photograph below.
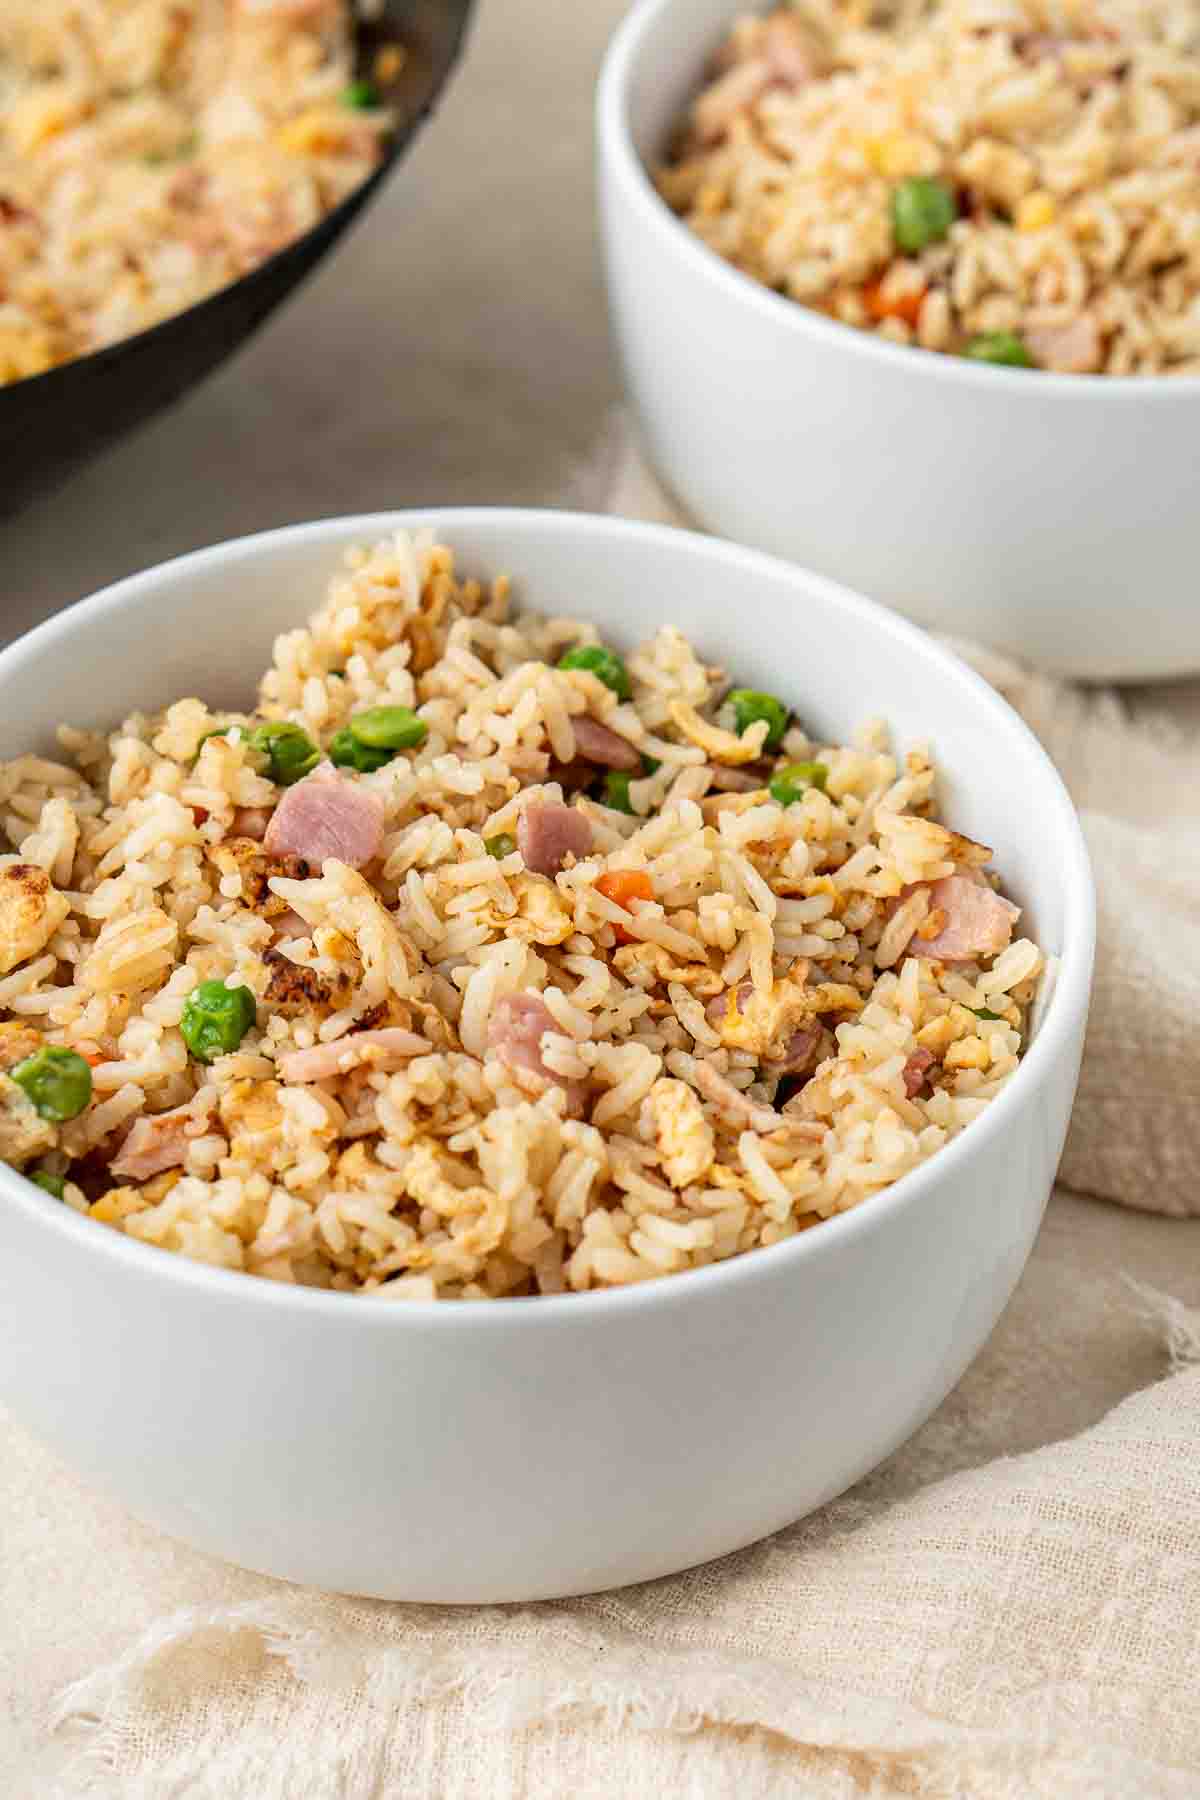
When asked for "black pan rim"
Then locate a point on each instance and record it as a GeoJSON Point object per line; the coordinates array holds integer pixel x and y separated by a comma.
{"type": "Point", "coordinates": [299, 255]}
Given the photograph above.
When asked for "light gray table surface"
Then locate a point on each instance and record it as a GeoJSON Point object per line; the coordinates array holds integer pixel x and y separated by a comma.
{"type": "Point", "coordinates": [454, 350]}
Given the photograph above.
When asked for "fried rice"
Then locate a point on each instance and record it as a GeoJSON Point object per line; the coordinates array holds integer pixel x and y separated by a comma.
{"type": "Point", "coordinates": [611, 971]}
{"type": "Point", "coordinates": [151, 151]}
{"type": "Point", "coordinates": [1013, 180]}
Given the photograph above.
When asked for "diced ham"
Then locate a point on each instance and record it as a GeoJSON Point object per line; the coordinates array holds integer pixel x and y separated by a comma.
{"type": "Point", "coordinates": [188, 187]}
{"type": "Point", "coordinates": [289, 925]}
{"type": "Point", "coordinates": [383, 1048]}
{"type": "Point", "coordinates": [327, 815]}
{"type": "Point", "coordinates": [781, 53]}
{"type": "Point", "coordinates": [600, 745]}
{"type": "Point", "coordinates": [720, 104]}
{"type": "Point", "coordinates": [792, 55]}
{"type": "Point", "coordinates": [251, 822]}
{"type": "Point", "coordinates": [799, 1051]}
{"type": "Point", "coordinates": [547, 833]}
{"type": "Point", "coordinates": [1073, 349]}
{"type": "Point", "coordinates": [975, 921]}
{"type": "Point", "coordinates": [159, 1141]}
{"type": "Point", "coordinates": [717, 1009]}
{"type": "Point", "coordinates": [739, 781]}
{"type": "Point", "coordinates": [515, 1031]}
{"type": "Point", "coordinates": [1034, 47]}
{"type": "Point", "coordinates": [915, 1070]}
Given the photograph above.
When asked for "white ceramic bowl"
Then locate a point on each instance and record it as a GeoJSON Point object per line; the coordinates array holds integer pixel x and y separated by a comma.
{"type": "Point", "coordinates": [1053, 516]}
{"type": "Point", "coordinates": [528, 1448]}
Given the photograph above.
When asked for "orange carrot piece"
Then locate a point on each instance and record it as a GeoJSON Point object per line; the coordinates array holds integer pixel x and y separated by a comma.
{"type": "Point", "coordinates": [900, 306]}
{"type": "Point", "coordinates": [621, 886]}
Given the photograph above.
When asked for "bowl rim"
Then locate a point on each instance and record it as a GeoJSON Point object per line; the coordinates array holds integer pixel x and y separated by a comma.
{"type": "Point", "coordinates": [1059, 1034]}
{"type": "Point", "coordinates": [330, 226]}
{"type": "Point", "coordinates": [619, 155]}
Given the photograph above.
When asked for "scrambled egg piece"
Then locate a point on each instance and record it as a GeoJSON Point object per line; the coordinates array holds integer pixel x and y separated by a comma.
{"type": "Point", "coordinates": [968, 1053]}
{"type": "Point", "coordinates": [685, 1137]}
{"type": "Point", "coordinates": [656, 958]}
{"type": "Point", "coordinates": [481, 1217]}
{"type": "Point", "coordinates": [122, 1202]}
{"type": "Point", "coordinates": [357, 1165]}
{"type": "Point", "coordinates": [939, 1034]}
{"type": "Point", "coordinates": [542, 915]}
{"type": "Point", "coordinates": [23, 1132]}
{"type": "Point", "coordinates": [763, 1023]}
{"type": "Point", "coordinates": [119, 1203]}
{"type": "Point", "coordinates": [17, 1041]}
{"type": "Point", "coordinates": [253, 1119]}
{"type": "Point", "coordinates": [721, 746]}
{"type": "Point", "coordinates": [31, 911]}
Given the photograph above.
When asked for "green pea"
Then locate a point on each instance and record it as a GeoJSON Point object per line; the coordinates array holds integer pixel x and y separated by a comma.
{"type": "Point", "coordinates": [787, 784]}
{"type": "Point", "coordinates": [602, 662]}
{"type": "Point", "coordinates": [290, 752]}
{"type": "Point", "coordinates": [616, 790]}
{"type": "Point", "coordinates": [923, 210]}
{"type": "Point", "coordinates": [215, 1019]}
{"type": "Point", "coordinates": [1002, 347]}
{"type": "Point", "coordinates": [388, 728]}
{"type": "Point", "coordinates": [57, 1081]}
{"type": "Point", "coordinates": [346, 751]}
{"type": "Point", "coordinates": [52, 1184]}
{"type": "Point", "coordinates": [749, 706]}
{"type": "Point", "coordinates": [500, 846]}
{"type": "Point", "coordinates": [360, 96]}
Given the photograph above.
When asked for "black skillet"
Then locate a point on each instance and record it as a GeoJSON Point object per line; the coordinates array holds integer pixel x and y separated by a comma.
{"type": "Point", "coordinates": [51, 423]}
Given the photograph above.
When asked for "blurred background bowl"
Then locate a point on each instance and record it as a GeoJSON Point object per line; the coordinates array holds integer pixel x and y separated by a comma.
{"type": "Point", "coordinates": [51, 423]}
{"type": "Point", "coordinates": [1051, 516]}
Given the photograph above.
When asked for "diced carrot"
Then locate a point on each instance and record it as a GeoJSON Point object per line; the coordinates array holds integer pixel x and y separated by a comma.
{"type": "Point", "coordinates": [906, 306]}
{"type": "Point", "coordinates": [621, 886]}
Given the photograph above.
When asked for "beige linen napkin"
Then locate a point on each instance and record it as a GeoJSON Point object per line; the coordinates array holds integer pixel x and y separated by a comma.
{"type": "Point", "coordinates": [1010, 1607]}
{"type": "Point", "coordinates": [965, 1624]}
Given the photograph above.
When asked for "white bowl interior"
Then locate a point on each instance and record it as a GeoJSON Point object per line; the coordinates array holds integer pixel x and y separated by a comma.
{"type": "Point", "coordinates": [669, 69]}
